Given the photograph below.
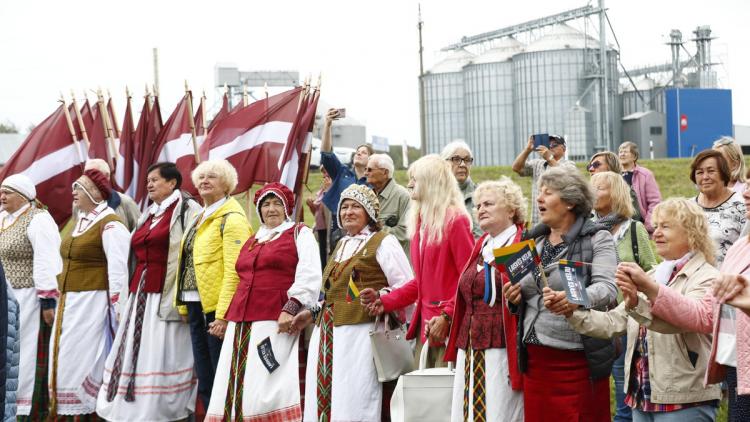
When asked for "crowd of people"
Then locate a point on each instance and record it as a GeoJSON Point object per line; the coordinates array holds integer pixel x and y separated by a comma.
{"type": "Point", "coordinates": [186, 312]}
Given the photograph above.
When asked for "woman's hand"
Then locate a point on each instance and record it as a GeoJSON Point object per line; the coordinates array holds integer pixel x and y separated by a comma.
{"type": "Point", "coordinates": [285, 323]}
{"type": "Point", "coordinates": [49, 316]}
{"type": "Point", "coordinates": [368, 296]}
{"type": "Point", "coordinates": [733, 290]}
{"type": "Point", "coordinates": [512, 293]}
{"type": "Point", "coordinates": [628, 289]}
{"type": "Point", "coordinates": [557, 302]}
{"type": "Point", "coordinates": [301, 320]}
{"type": "Point", "coordinates": [637, 276]}
{"type": "Point", "coordinates": [217, 328]}
{"type": "Point", "coordinates": [436, 329]}
{"type": "Point", "coordinates": [376, 308]}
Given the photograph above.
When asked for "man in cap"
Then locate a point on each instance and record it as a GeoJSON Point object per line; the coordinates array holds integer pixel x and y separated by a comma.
{"type": "Point", "coordinates": [30, 254]}
{"type": "Point", "coordinates": [550, 157]}
{"type": "Point", "coordinates": [122, 204]}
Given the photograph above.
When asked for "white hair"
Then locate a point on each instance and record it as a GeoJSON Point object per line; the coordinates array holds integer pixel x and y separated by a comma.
{"type": "Point", "coordinates": [450, 149]}
{"type": "Point", "coordinates": [384, 161]}
{"type": "Point", "coordinates": [97, 164]}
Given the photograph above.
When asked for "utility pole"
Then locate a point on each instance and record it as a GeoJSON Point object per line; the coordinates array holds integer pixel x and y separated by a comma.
{"type": "Point", "coordinates": [422, 128]}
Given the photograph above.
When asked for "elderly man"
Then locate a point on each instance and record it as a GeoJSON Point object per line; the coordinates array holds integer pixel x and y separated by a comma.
{"type": "Point", "coordinates": [394, 198]}
{"type": "Point", "coordinates": [551, 157]}
{"type": "Point", "coordinates": [460, 156]}
{"type": "Point", "coordinates": [122, 204]}
{"type": "Point", "coordinates": [30, 254]}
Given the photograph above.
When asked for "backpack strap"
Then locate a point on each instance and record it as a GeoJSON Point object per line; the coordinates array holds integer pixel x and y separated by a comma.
{"type": "Point", "coordinates": [224, 221]}
{"type": "Point", "coordinates": [634, 242]}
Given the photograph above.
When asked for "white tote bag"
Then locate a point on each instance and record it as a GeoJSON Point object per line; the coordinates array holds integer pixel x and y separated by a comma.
{"type": "Point", "coordinates": [390, 350]}
{"type": "Point", "coordinates": [424, 395]}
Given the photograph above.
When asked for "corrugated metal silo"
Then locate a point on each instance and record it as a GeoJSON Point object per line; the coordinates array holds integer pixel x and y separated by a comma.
{"type": "Point", "coordinates": [444, 100]}
{"type": "Point", "coordinates": [488, 88]}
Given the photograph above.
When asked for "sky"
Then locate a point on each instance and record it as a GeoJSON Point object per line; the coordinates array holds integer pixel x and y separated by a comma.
{"type": "Point", "coordinates": [366, 51]}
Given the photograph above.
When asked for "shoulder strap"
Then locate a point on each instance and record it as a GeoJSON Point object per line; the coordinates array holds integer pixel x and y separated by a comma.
{"type": "Point", "coordinates": [634, 242]}
{"type": "Point", "coordinates": [224, 221]}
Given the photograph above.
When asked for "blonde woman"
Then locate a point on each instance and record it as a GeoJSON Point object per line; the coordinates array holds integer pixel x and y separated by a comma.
{"type": "Point", "coordinates": [666, 363]}
{"type": "Point", "coordinates": [441, 242]}
{"type": "Point", "coordinates": [732, 152]}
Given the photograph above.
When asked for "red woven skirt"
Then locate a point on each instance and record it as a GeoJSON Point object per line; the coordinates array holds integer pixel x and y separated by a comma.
{"type": "Point", "coordinates": [556, 387]}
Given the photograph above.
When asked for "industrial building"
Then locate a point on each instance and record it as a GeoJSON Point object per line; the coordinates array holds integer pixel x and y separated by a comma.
{"type": "Point", "coordinates": [495, 89]}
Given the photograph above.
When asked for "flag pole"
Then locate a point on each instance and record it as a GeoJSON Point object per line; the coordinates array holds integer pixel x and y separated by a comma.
{"type": "Point", "coordinates": [128, 97]}
{"type": "Point", "coordinates": [204, 113]}
{"type": "Point", "coordinates": [115, 125]}
{"type": "Point", "coordinates": [71, 128]}
{"type": "Point", "coordinates": [110, 143]}
{"type": "Point", "coordinates": [79, 119]}
{"type": "Point", "coordinates": [245, 98]}
{"type": "Point", "coordinates": [147, 97]}
{"type": "Point", "coordinates": [191, 121]}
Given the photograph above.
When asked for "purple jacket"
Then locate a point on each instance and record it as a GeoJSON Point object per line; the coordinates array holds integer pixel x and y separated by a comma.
{"type": "Point", "coordinates": [647, 192]}
{"type": "Point", "coordinates": [703, 317]}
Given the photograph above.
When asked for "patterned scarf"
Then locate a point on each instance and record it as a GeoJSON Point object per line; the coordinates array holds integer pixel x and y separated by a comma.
{"type": "Point", "coordinates": [610, 220]}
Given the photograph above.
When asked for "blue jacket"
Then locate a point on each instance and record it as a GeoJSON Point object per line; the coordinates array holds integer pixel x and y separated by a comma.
{"type": "Point", "coordinates": [341, 178]}
{"type": "Point", "coordinates": [10, 335]}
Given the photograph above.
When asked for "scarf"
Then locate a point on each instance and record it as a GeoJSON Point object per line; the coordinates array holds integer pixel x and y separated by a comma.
{"type": "Point", "coordinates": [610, 220]}
{"type": "Point", "coordinates": [663, 271]}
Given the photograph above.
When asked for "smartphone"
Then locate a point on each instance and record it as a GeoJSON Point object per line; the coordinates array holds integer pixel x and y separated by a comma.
{"type": "Point", "coordinates": [340, 113]}
{"type": "Point", "coordinates": [541, 139]}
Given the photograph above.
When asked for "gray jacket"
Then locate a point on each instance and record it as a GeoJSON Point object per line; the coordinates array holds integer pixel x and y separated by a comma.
{"type": "Point", "coordinates": [553, 330]}
{"type": "Point", "coordinates": [185, 211]}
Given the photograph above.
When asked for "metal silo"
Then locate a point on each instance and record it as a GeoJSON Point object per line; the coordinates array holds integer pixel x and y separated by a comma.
{"type": "Point", "coordinates": [444, 100]}
{"type": "Point", "coordinates": [488, 88]}
{"type": "Point", "coordinates": [557, 83]}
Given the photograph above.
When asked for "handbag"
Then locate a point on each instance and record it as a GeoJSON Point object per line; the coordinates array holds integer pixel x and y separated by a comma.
{"type": "Point", "coordinates": [390, 350]}
{"type": "Point", "coordinates": [423, 395]}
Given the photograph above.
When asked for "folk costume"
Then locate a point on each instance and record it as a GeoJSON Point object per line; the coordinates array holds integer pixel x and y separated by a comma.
{"type": "Point", "coordinates": [94, 269]}
{"type": "Point", "coordinates": [257, 378]}
{"type": "Point", "coordinates": [341, 382]}
{"type": "Point", "coordinates": [487, 385]}
{"type": "Point", "coordinates": [30, 254]}
{"type": "Point", "coordinates": [149, 375]}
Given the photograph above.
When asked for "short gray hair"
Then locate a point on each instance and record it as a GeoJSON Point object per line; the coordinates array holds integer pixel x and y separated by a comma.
{"type": "Point", "coordinates": [454, 146]}
{"type": "Point", "coordinates": [384, 161]}
{"type": "Point", "coordinates": [572, 187]}
{"type": "Point", "coordinates": [97, 164]}
{"type": "Point", "coordinates": [222, 168]}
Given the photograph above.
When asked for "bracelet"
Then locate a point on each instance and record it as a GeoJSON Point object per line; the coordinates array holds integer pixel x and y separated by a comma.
{"type": "Point", "coordinates": [314, 311]}
{"type": "Point", "coordinates": [446, 316]}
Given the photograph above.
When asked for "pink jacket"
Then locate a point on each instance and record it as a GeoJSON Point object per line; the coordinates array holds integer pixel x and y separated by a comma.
{"type": "Point", "coordinates": [437, 268]}
{"type": "Point", "coordinates": [647, 192]}
{"type": "Point", "coordinates": [703, 316]}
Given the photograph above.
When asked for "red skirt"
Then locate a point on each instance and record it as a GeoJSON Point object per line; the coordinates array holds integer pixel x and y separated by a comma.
{"type": "Point", "coordinates": [556, 387]}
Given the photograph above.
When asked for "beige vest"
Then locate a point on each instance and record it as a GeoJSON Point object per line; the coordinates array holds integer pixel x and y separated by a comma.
{"type": "Point", "coordinates": [84, 261]}
{"type": "Point", "coordinates": [16, 252]}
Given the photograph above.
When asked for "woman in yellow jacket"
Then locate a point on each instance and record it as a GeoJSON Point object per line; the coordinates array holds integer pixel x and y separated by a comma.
{"type": "Point", "coordinates": [207, 278]}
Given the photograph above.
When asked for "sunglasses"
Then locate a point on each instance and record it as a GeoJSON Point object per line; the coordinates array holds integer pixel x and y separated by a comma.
{"type": "Point", "coordinates": [594, 165]}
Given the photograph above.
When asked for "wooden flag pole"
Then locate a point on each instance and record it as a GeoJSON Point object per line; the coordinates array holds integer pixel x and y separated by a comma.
{"type": "Point", "coordinates": [245, 97]}
{"type": "Point", "coordinates": [110, 143]}
{"type": "Point", "coordinates": [71, 128]}
{"type": "Point", "coordinates": [79, 119]}
{"type": "Point", "coordinates": [115, 125]}
{"type": "Point", "coordinates": [128, 97]}
{"type": "Point", "coordinates": [191, 121]}
{"type": "Point", "coordinates": [204, 115]}
{"type": "Point", "coordinates": [147, 98]}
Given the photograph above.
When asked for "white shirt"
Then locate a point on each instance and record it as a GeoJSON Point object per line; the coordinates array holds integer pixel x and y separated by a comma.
{"type": "Point", "coordinates": [159, 209]}
{"type": "Point", "coordinates": [207, 211]}
{"type": "Point", "coordinates": [45, 241]}
{"type": "Point", "coordinates": [389, 255]}
{"type": "Point", "coordinates": [116, 244]}
{"type": "Point", "coordinates": [504, 238]}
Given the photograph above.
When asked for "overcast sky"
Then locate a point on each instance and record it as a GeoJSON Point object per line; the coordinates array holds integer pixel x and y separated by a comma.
{"type": "Point", "coordinates": [366, 51]}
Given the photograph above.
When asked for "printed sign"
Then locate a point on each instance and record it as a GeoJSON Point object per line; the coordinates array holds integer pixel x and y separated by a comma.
{"type": "Point", "coordinates": [517, 260]}
{"type": "Point", "coordinates": [572, 275]}
{"type": "Point", "coordinates": [265, 351]}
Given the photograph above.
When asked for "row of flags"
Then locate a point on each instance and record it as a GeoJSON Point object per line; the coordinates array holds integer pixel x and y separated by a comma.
{"type": "Point", "coordinates": [267, 141]}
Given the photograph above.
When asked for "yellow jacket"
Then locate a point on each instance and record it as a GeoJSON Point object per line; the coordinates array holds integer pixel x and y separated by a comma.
{"type": "Point", "coordinates": [215, 254]}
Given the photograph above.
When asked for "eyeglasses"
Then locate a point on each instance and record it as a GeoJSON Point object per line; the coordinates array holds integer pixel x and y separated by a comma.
{"type": "Point", "coordinates": [723, 141]}
{"type": "Point", "coordinates": [371, 169]}
{"type": "Point", "coordinates": [594, 165]}
{"type": "Point", "coordinates": [458, 160]}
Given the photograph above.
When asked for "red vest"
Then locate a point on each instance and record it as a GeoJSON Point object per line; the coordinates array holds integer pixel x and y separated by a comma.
{"type": "Point", "coordinates": [266, 272]}
{"type": "Point", "coordinates": [151, 249]}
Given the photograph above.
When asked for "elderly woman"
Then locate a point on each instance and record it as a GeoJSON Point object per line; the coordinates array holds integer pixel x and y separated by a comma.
{"type": "Point", "coordinates": [564, 370]}
{"type": "Point", "coordinates": [715, 314]}
{"type": "Point", "coordinates": [723, 207]}
{"type": "Point", "coordinates": [207, 276]}
{"type": "Point", "coordinates": [161, 360]}
{"type": "Point", "coordinates": [280, 274]}
{"type": "Point", "coordinates": [482, 337]}
{"type": "Point", "coordinates": [663, 378]}
{"type": "Point", "coordinates": [95, 267]}
{"type": "Point", "coordinates": [440, 246]}
{"type": "Point", "coordinates": [341, 383]}
{"type": "Point", "coordinates": [604, 161]}
{"type": "Point", "coordinates": [459, 154]}
{"type": "Point", "coordinates": [732, 152]}
{"type": "Point", "coordinates": [641, 180]}
{"type": "Point", "coordinates": [614, 210]}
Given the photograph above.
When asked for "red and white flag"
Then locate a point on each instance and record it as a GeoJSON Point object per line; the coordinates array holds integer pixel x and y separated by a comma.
{"type": "Point", "coordinates": [223, 112]}
{"type": "Point", "coordinates": [299, 144]}
{"type": "Point", "coordinates": [126, 160]}
{"type": "Point", "coordinates": [147, 131]}
{"type": "Point", "coordinates": [51, 159]}
{"type": "Point", "coordinates": [98, 135]}
{"type": "Point", "coordinates": [252, 138]}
